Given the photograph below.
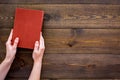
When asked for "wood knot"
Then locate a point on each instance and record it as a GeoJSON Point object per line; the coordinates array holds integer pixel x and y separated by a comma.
{"type": "Point", "coordinates": [47, 17]}
{"type": "Point", "coordinates": [71, 43]}
{"type": "Point", "coordinates": [22, 63]}
{"type": "Point", "coordinates": [91, 66]}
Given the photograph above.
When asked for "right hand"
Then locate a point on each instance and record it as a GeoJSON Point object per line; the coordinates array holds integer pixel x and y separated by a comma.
{"type": "Point", "coordinates": [38, 51]}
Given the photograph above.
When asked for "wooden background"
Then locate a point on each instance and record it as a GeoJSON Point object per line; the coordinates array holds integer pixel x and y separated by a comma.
{"type": "Point", "coordinates": [82, 39]}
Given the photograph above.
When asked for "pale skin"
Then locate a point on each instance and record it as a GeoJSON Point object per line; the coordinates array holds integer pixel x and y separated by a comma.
{"type": "Point", "coordinates": [10, 56]}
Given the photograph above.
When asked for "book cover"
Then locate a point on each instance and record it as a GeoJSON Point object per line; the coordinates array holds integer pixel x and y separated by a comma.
{"type": "Point", "coordinates": [27, 26]}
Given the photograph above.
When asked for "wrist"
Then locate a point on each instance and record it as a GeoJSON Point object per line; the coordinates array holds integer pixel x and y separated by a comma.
{"type": "Point", "coordinates": [7, 61]}
{"type": "Point", "coordinates": [9, 57]}
{"type": "Point", "coordinates": [37, 65]}
{"type": "Point", "coordinates": [38, 62]}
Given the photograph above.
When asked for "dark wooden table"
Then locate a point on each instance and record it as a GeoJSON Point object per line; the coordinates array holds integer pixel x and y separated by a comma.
{"type": "Point", "coordinates": [82, 39]}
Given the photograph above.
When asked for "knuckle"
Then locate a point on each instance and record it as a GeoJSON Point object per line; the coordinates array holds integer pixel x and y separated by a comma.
{"type": "Point", "coordinates": [35, 51]}
{"type": "Point", "coordinates": [15, 43]}
{"type": "Point", "coordinates": [36, 45]}
{"type": "Point", "coordinates": [42, 49]}
{"type": "Point", "coordinates": [14, 47]}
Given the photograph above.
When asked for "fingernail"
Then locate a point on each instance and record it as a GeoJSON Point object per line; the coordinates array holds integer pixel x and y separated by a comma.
{"type": "Point", "coordinates": [17, 38]}
{"type": "Point", "coordinates": [36, 42]}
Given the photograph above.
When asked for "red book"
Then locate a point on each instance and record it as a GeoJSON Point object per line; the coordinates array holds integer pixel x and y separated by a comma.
{"type": "Point", "coordinates": [27, 26]}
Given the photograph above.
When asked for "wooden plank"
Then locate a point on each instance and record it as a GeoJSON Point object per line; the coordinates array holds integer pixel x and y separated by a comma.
{"type": "Point", "coordinates": [60, 1]}
{"type": "Point", "coordinates": [58, 79]}
{"type": "Point", "coordinates": [23, 79]}
{"type": "Point", "coordinates": [69, 66]}
{"type": "Point", "coordinates": [76, 40]}
{"type": "Point", "coordinates": [67, 15]}
{"type": "Point", "coordinates": [88, 79]}
{"type": "Point", "coordinates": [16, 79]}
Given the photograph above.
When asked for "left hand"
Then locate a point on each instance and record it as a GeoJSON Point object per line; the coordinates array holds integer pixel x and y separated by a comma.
{"type": "Point", "coordinates": [11, 49]}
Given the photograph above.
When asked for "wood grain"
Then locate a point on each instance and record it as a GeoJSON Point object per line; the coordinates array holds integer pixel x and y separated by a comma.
{"type": "Point", "coordinates": [60, 1]}
{"type": "Point", "coordinates": [76, 40]}
{"type": "Point", "coordinates": [67, 15]}
{"type": "Point", "coordinates": [88, 79]}
{"type": "Point", "coordinates": [57, 79]}
{"type": "Point", "coordinates": [26, 79]}
{"type": "Point", "coordinates": [82, 39]}
{"type": "Point", "coordinates": [69, 66]}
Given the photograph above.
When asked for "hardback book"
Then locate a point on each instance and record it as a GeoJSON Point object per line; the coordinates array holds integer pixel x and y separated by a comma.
{"type": "Point", "coordinates": [27, 26]}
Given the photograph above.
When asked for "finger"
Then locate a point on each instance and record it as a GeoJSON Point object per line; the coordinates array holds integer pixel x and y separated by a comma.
{"type": "Point", "coordinates": [16, 42]}
{"type": "Point", "coordinates": [36, 47]}
{"type": "Point", "coordinates": [10, 36]}
{"type": "Point", "coordinates": [42, 46]}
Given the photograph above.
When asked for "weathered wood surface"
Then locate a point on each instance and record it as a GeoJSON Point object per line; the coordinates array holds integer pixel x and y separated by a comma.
{"type": "Point", "coordinates": [88, 79]}
{"type": "Point", "coordinates": [82, 39]}
{"type": "Point", "coordinates": [60, 1]}
{"type": "Point", "coordinates": [77, 40]}
{"type": "Point", "coordinates": [67, 15]}
{"type": "Point", "coordinates": [59, 79]}
{"type": "Point", "coordinates": [69, 66]}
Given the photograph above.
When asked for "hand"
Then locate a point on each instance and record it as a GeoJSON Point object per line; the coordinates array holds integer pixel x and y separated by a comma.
{"type": "Point", "coordinates": [38, 50]}
{"type": "Point", "coordinates": [11, 49]}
